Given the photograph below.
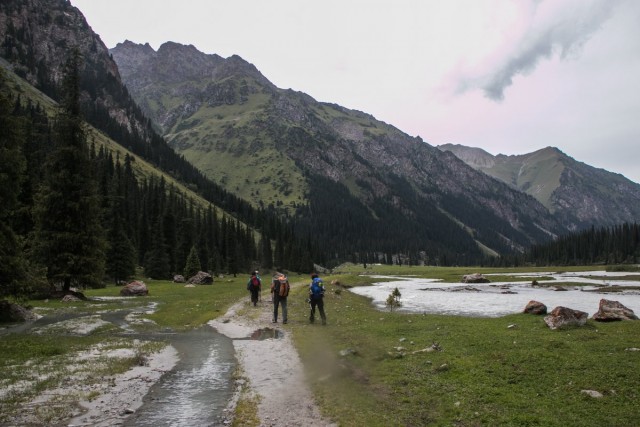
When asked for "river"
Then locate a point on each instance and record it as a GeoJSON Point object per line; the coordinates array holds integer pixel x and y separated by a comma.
{"type": "Point", "coordinates": [501, 298]}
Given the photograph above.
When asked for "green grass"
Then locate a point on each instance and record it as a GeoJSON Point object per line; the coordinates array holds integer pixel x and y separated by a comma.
{"type": "Point", "coordinates": [486, 373]}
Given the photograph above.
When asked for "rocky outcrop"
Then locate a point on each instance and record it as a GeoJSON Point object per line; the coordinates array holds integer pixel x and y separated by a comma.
{"type": "Point", "coordinates": [535, 307]}
{"type": "Point", "coordinates": [612, 311]}
{"type": "Point", "coordinates": [135, 288]}
{"type": "Point", "coordinates": [561, 317]}
{"type": "Point", "coordinates": [475, 278]}
{"type": "Point", "coordinates": [201, 278]}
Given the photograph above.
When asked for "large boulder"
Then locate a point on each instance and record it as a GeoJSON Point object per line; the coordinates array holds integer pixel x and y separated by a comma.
{"type": "Point", "coordinates": [178, 278]}
{"type": "Point", "coordinates": [135, 288]}
{"type": "Point", "coordinates": [10, 313]}
{"type": "Point", "coordinates": [611, 311]}
{"type": "Point", "coordinates": [201, 278]}
{"type": "Point", "coordinates": [535, 307]}
{"type": "Point", "coordinates": [563, 316]}
{"type": "Point", "coordinates": [474, 278]}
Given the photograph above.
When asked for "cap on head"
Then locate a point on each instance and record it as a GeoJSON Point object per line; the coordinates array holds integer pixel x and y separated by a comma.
{"type": "Point", "coordinates": [314, 275]}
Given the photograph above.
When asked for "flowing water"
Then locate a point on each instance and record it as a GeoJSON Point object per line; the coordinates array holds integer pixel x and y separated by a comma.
{"type": "Point", "coordinates": [194, 393]}
{"type": "Point", "coordinates": [502, 298]}
{"type": "Point", "coordinates": [197, 390]}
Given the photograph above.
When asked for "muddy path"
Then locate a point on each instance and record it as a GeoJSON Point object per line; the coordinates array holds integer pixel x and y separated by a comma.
{"type": "Point", "coordinates": [271, 365]}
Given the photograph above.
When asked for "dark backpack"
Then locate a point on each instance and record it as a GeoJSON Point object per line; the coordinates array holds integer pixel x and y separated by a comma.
{"type": "Point", "coordinates": [317, 290]}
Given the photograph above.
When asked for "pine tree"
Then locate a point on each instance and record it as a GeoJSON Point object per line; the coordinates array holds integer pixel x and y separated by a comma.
{"type": "Point", "coordinates": [69, 237]}
{"type": "Point", "coordinates": [121, 254]}
{"type": "Point", "coordinates": [12, 173]}
{"type": "Point", "coordinates": [156, 264]}
{"type": "Point", "coordinates": [192, 266]}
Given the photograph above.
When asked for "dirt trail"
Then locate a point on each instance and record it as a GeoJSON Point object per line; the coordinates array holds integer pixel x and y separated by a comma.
{"type": "Point", "coordinates": [272, 366]}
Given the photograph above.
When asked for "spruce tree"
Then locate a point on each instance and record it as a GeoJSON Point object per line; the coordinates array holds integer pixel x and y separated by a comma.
{"type": "Point", "coordinates": [192, 266]}
{"type": "Point", "coordinates": [121, 254]}
{"type": "Point", "coordinates": [12, 173]}
{"type": "Point", "coordinates": [69, 237]}
{"type": "Point", "coordinates": [156, 263]}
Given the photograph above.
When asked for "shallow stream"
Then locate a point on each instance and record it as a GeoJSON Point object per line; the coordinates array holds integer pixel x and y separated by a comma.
{"type": "Point", "coordinates": [198, 389]}
{"type": "Point", "coordinates": [194, 393]}
{"type": "Point", "coordinates": [501, 298]}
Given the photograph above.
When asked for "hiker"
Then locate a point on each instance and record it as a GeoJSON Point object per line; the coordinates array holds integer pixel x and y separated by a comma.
{"type": "Point", "coordinates": [280, 290]}
{"type": "Point", "coordinates": [316, 296]}
{"type": "Point", "coordinates": [254, 285]}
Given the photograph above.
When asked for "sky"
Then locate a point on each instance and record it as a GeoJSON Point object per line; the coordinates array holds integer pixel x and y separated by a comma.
{"type": "Point", "coordinates": [508, 76]}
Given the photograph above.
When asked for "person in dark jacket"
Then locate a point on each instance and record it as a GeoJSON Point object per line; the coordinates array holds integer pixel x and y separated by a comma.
{"type": "Point", "coordinates": [316, 298]}
{"type": "Point", "coordinates": [254, 285]}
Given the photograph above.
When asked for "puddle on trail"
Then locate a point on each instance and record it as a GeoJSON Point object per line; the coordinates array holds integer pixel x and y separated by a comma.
{"type": "Point", "coordinates": [198, 389]}
{"type": "Point", "coordinates": [266, 333]}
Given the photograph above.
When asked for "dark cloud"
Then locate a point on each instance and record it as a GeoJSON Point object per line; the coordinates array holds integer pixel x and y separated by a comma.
{"type": "Point", "coordinates": [563, 32]}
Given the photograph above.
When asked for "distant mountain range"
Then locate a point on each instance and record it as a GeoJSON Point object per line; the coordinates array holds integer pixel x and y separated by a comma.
{"type": "Point", "coordinates": [358, 187]}
{"type": "Point", "coordinates": [343, 175]}
{"type": "Point", "coordinates": [576, 193]}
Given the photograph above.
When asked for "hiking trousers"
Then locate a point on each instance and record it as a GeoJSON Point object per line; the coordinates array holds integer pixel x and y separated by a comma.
{"type": "Point", "coordinates": [278, 300]}
{"type": "Point", "coordinates": [320, 304]}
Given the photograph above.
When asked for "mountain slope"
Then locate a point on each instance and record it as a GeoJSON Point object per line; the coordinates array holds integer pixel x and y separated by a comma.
{"type": "Point", "coordinates": [355, 181]}
{"type": "Point", "coordinates": [578, 194]}
{"type": "Point", "coordinates": [36, 39]}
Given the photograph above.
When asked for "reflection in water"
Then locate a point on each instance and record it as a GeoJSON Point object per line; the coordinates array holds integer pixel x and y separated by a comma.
{"type": "Point", "coordinates": [501, 298]}
{"type": "Point", "coordinates": [197, 390]}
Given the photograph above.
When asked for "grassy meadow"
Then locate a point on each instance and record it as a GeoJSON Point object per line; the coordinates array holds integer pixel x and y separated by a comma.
{"type": "Point", "coordinates": [377, 368]}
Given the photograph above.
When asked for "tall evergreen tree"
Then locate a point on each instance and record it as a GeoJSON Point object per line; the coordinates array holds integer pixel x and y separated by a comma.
{"type": "Point", "coordinates": [69, 237]}
{"type": "Point", "coordinates": [156, 263]}
{"type": "Point", "coordinates": [12, 171]}
{"type": "Point", "coordinates": [192, 266]}
{"type": "Point", "coordinates": [121, 254]}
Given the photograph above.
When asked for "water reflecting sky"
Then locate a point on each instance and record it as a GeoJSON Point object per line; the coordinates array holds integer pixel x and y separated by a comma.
{"type": "Point", "coordinates": [502, 298]}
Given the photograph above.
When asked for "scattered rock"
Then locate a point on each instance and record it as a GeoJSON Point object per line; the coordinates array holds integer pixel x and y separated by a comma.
{"type": "Point", "coordinates": [512, 326]}
{"type": "Point", "coordinates": [178, 278]}
{"type": "Point", "coordinates": [632, 349]}
{"type": "Point", "coordinates": [201, 278]}
{"type": "Point", "coordinates": [348, 352]}
{"type": "Point", "coordinates": [10, 312]}
{"type": "Point", "coordinates": [611, 311]}
{"type": "Point", "coordinates": [563, 316]}
{"type": "Point", "coordinates": [70, 298]}
{"type": "Point", "coordinates": [535, 307]}
{"type": "Point", "coordinates": [433, 347]}
{"type": "Point", "coordinates": [474, 278]}
{"type": "Point", "coordinates": [592, 393]}
{"type": "Point", "coordinates": [135, 288]}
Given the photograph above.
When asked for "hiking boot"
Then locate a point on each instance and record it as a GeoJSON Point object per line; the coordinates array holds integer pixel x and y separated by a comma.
{"type": "Point", "coordinates": [274, 321]}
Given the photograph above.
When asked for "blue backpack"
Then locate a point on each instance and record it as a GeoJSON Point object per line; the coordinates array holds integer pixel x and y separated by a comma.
{"type": "Point", "coordinates": [317, 288]}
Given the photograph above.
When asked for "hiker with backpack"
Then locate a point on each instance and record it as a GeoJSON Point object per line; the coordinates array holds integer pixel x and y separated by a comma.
{"type": "Point", "coordinates": [280, 291]}
{"type": "Point", "coordinates": [254, 285]}
{"type": "Point", "coordinates": [316, 296]}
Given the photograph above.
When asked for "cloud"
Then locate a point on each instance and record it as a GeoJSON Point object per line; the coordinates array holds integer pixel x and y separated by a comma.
{"type": "Point", "coordinates": [552, 27]}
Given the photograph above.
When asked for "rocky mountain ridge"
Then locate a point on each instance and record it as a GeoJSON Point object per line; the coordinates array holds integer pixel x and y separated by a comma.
{"type": "Point", "coordinates": [578, 194]}
{"type": "Point", "coordinates": [274, 146]}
